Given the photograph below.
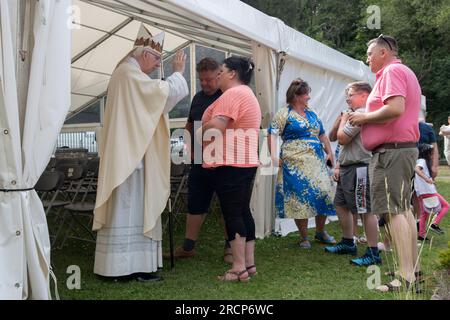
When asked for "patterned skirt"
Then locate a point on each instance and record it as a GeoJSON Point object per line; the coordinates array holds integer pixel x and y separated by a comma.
{"type": "Point", "coordinates": [304, 187]}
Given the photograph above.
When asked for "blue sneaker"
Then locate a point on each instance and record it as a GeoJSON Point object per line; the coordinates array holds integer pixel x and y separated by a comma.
{"type": "Point", "coordinates": [366, 260]}
{"type": "Point", "coordinates": [342, 248]}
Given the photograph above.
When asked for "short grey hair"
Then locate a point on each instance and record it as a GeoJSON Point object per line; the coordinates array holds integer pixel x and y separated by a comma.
{"type": "Point", "coordinates": [134, 53]}
{"type": "Point", "coordinates": [387, 42]}
{"type": "Point", "coordinates": [138, 52]}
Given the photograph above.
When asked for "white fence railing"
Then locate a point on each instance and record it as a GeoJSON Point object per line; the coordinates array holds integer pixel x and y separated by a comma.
{"type": "Point", "coordinates": [84, 140]}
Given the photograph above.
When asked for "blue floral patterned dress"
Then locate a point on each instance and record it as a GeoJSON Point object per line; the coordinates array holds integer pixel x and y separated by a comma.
{"type": "Point", "coordinates": [304, 187]}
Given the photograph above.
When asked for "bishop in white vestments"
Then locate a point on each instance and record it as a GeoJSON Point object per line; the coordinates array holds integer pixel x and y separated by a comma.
{"type": "Point", "coordinates": [134, 174]}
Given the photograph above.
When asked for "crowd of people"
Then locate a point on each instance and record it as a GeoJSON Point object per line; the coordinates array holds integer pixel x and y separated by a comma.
{"type": "Point", "coordinates": [379, 155]}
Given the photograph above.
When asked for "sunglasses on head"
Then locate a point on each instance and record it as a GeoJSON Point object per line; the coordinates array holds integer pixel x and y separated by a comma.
{"type": "Point", "coordinates": [381, 36]}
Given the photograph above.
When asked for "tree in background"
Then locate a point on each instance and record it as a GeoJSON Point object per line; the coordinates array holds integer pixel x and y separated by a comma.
{"type": "Point", "coordinates": [421, 28]}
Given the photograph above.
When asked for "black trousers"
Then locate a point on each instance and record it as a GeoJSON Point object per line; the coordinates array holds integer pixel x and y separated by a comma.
{"type": "Point", "coordinates": [234, 189]}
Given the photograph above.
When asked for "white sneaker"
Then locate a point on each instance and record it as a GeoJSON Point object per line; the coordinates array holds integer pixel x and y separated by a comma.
{"type": "Point", "coordinates": [362, 240]}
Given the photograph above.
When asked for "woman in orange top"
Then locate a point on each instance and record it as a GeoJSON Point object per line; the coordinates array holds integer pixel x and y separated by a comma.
{"type": "Point", "coordinates": [230, 135]}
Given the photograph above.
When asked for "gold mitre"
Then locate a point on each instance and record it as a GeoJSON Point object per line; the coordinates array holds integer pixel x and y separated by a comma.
{"type": "Point", "coordinates": [146, 40]}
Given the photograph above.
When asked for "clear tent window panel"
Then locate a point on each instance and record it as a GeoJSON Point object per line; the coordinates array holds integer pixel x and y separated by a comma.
{"type": "Point", "coordinates": [89, 115]}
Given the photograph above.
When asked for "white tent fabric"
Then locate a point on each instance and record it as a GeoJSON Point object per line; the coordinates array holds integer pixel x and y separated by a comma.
{"type": "Point", "coordinates": [24, 240]}
{"type": "Point", "coordinates": [266, 62]}
{"type": "Point", "coordinates": [327, 100]}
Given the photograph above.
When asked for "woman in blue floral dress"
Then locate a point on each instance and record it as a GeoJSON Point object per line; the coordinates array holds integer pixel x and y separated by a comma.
{"type": "Point", "coordinates": [304, 188]}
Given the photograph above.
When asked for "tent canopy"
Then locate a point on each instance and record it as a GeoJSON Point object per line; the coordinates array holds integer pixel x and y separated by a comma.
{"type": "Point", "coordinates": [104, 31]}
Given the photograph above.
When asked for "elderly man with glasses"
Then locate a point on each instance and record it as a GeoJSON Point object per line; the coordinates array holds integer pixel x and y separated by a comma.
{"type": "Point", "coordinates": [134, 173]}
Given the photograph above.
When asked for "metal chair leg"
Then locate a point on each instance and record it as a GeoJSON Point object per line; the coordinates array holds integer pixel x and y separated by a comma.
{"type": "Point", "coordinates": [172, 262]}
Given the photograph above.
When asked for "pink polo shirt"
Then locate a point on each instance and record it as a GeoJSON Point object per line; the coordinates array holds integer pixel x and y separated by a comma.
{"type": "Point", "coordinates": [395, 79]}
{"type": "Point", "coordinates": [238, 145]}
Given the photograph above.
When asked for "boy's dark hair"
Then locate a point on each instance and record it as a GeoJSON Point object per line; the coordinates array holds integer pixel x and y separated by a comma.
{"type": "Point", "coordinates": [426, 152]}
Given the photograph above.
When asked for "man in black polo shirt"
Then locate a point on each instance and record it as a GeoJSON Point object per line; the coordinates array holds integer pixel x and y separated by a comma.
{"type": "Point", "coordinates": [200, 184]}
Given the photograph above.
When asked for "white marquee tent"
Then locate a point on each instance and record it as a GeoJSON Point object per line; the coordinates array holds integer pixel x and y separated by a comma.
{"type": "Point", "coordinates": [102, 33]}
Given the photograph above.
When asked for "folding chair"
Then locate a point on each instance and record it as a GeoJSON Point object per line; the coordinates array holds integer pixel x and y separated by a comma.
{"type": "Point", "coordinates": [51, 164]}
{"type": "Point", "coordinates": [48, 189]}
{"type": "Point", "coordinates": [81, 208]}
{"type": "Point", "coordinates": [74, 176]}
{"type": "Point", "coordinates": [178, 189]}
{"type": "Point", "coordinates": [179, 174]}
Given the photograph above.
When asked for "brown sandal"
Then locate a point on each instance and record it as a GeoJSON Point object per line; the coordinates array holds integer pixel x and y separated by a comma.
{"type": "Point", "coordinates": [396, 286]}
{"type": "Point", "coordinates": [238, 275]}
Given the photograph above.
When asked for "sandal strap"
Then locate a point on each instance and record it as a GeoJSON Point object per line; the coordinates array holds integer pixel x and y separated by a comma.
{"type": "Point", "coordinates": [250, 267]}
{"type": "Point", "coordinates": [237, 273]}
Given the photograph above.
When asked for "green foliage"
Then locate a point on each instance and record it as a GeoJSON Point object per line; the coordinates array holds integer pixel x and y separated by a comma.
{"type": "Point", "coordinates": [444, 257]}
{"type": "Point", "coordinates": [421, 28]}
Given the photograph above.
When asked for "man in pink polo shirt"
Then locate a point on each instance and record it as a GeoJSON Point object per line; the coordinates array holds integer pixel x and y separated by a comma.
{"type": "Point", "coordinates": [390, 130]}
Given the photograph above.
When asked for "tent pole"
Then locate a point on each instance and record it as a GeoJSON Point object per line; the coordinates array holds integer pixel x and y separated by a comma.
{"type": "Point", "coordinates": [279, 70]}
{"type": "Point", "coordinates": [193, 71]}
{"type": "Point", "coordinates": [23, 52]}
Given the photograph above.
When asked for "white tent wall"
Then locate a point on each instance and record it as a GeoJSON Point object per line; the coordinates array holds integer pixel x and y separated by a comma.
{"type": "Point", "coordinates": [327, 88]}
{"type": "Point", "coordinates": [11, 250]}
{"type": "Point", "coordinates": [24, 240]}
{"type": "Point", "coordinates": [312, 52]}
{"type": "Point", "coordinates": [261, 204]}
{"type": "Point", "coordinates": [327, 100]}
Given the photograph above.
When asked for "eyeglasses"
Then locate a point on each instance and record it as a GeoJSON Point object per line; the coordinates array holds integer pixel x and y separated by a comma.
{"type": "Point", "coordinates": [381, 36]}
{"type": "Point", "coordinates": [353, 94]}
{"type": "Point", "coordinates": [157, 57]}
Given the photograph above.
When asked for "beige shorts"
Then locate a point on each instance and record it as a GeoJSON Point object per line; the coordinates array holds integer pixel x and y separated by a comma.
{"type": "Point", "coordinates": [390, 173]}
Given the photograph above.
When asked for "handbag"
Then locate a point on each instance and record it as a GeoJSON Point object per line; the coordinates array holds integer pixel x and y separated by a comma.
{"type": "Point", "coordinates": [431, 205]}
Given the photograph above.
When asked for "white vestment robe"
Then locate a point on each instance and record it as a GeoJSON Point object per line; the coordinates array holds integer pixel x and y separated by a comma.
{"type": "Point", "coordinates": [128, 213]}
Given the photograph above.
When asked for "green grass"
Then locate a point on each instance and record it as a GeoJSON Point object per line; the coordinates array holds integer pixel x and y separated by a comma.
{"type": "Point", "coordinates": [284, 270]}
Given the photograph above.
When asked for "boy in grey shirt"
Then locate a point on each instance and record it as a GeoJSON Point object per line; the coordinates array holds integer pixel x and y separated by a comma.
{"type": "Point", "coordinates": [351, 173]}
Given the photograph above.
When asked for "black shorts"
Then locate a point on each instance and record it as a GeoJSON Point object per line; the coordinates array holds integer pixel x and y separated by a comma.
{"type": "Point", "coordinates": [353, 191]}
{"type": "Point", "coordinates": [200, 189]}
